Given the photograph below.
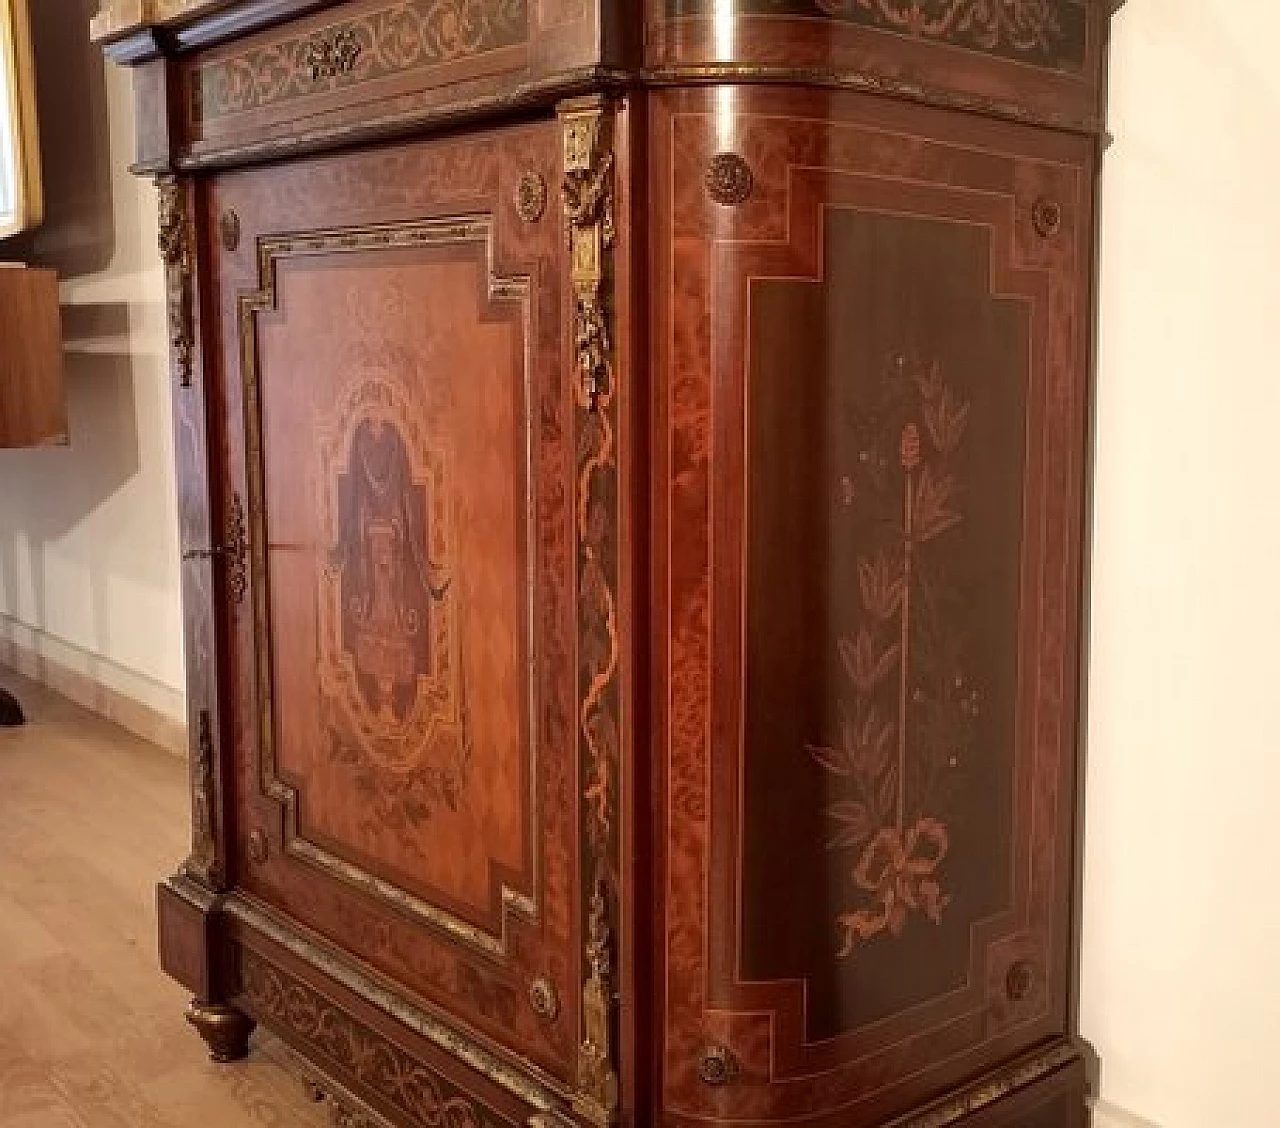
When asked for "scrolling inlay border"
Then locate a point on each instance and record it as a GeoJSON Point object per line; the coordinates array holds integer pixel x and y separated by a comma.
{"type": "Point", "coordinates": [404, 36]}
{"type": "Point", "coordinates": [338, 967]}
{"type": "Point", "coordinates": [444, 232]}
{"type": "Point", "coordinates": [374, 1062]}
{"type": "Point", "coordinates": [1046, 33]}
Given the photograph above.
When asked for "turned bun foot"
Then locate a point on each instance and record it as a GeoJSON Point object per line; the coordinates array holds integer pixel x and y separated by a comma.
{"type": "Point", "coordinates": [224, 1029]}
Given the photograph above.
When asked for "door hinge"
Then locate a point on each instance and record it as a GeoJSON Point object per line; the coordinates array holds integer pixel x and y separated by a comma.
{"type": "Point", "coordinates": [234, 552]}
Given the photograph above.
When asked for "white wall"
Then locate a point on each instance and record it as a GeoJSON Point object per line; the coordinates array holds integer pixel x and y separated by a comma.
{"type": "Point", "coordinates": [1181, 985]}
{"type": "Point", "coordinates": [88, 533]}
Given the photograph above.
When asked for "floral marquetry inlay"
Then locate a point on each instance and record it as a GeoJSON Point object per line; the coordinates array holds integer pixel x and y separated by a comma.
{"type": "Point", "coordinates": [1046, 32]}
{"type": "Point", "coordinates": [896, 708]}
{"type": "Point", "coordinates": [388, 41]}
{"type": "Point", "coordinates": [378, 1066]}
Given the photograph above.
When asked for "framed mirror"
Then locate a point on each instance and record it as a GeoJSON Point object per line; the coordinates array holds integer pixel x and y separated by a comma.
{"type": "Point", "coordinates": [21, 200]}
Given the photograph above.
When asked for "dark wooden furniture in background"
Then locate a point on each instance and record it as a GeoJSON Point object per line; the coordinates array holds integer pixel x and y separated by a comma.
{"type": "Point", "coordinates": [33, 409]}
{"type": "Point", "coordinates": [632, 468]}
{"type": "Point", "coordinates": [33, 406]}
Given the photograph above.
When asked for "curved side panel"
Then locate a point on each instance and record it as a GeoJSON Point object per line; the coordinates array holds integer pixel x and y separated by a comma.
{"type": "Point", "coordinates": [871, 423]}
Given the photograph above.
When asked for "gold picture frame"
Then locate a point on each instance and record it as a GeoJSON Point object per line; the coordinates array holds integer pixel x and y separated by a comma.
{"type": "Point", "coordinates": [21, 195]}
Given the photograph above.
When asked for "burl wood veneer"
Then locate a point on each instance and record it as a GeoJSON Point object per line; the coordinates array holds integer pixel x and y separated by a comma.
{"type": "Point", "coordinates": [633, 464]}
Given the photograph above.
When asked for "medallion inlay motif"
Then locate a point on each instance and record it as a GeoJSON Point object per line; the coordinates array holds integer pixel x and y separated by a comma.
{"type": "Point", "coordinates": [391, 679]}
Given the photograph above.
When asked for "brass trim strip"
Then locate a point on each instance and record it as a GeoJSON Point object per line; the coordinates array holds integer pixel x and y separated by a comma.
{"type": "Point", "coordinates": [1021, 1073]}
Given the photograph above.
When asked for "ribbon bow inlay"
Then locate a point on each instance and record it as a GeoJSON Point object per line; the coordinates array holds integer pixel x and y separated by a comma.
{"type": "Point", "coordinates": [897, 868]}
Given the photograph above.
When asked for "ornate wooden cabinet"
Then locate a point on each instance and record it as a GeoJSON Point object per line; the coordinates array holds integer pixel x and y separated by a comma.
{"type": "Point", "coordinates": [633, 464]}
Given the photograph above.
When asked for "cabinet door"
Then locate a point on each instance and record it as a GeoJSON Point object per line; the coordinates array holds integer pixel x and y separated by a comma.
{"type": "Point", "coordinates": [871, 361]}
{"type": "Point", "coordinates": [399, 468]}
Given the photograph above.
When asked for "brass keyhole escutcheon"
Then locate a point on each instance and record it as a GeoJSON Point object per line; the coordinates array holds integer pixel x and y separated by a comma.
{"type": "Point", "coordinates": [259, 847]}
{"type": "Point", "coordinates": [229, 229]}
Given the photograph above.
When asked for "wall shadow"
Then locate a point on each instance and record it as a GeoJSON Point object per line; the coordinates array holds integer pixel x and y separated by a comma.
{"type": "Point", "coordinates": [77, 236]}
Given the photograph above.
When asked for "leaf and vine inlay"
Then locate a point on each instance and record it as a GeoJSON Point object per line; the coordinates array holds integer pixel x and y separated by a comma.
{"type": "Point", "coordinates": [1025, 25]}
{"type": "Point", "coordinates": [397, 38]}
{"type": "Point", "coordinates": [907, 709]}
{"type": "Point", "coordinates": [384, 1069]}
{"type": "Point", "coordinates": [1048, 32]}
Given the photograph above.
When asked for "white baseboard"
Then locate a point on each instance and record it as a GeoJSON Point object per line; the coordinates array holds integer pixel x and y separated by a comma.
{"type": "Point", "coordinates": [1108, 1115]}
{"type": "Point", "coordinates": [135, 702]}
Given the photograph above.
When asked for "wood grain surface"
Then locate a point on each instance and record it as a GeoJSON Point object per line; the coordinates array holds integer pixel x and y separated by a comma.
{"type": "Point", "coordinates": [90, 1035]}
{"type": "Point", "coordinates": [397, 428]}
{"type": "Point", "coordinates": [33, 408]}
{"type": "Point", "coordinates": [908, 720]}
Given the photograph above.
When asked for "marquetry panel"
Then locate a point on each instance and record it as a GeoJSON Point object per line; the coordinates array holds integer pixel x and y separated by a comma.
{"type": "Point", "coordinates": [401, 515]}
{"type": "Point", "coordinates": [347, 53]}
{"type": "Point", "coordinates": [881, 647]}
{"type": "Point", "coordinates": [870, 423]}
{"type": "Point", "coordinates": [400, 430]}
{"type": "Point", "coordinates": [379, 66]}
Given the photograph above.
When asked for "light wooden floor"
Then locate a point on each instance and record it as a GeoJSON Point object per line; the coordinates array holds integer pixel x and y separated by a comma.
{"type": "Point", "coordinates": [91, 1032]}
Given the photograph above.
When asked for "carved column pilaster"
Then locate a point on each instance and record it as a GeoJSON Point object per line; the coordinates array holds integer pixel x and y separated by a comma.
{"type": "Point", "coordinates": [588, 191]}
{"type": "Point", "coordinates": [177, 254]}
{"type": "Point", "coordinates": [204, 864]}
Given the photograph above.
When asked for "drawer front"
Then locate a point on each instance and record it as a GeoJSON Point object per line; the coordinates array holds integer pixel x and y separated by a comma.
{"type": "Point", "coordinates": [871, 358]}
{"type": "Point", "coordinates": [399, 450]}
{"type": "Point", "coordinates": [360, 1059]}
{"type": "Point", "coordinates": [1041, 59]}
{"type": "Point", "coordinates": [372, 65]}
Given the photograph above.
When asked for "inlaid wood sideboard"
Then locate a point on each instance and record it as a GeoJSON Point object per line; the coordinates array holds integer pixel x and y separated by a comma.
{"type": "Point", "coordinates": [633, 465]}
